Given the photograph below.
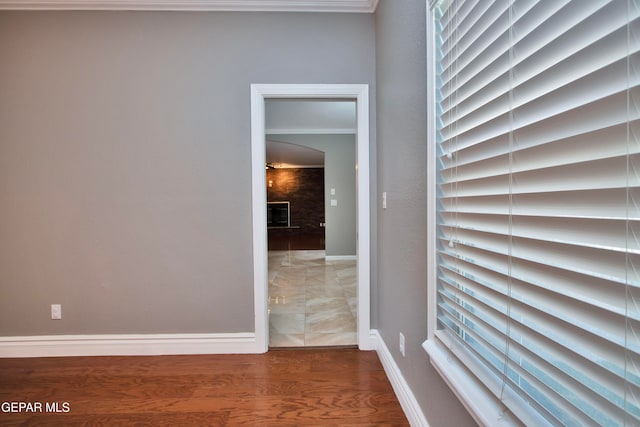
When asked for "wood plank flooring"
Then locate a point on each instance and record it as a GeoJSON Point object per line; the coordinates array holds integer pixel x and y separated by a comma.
{"type": "Point", "coordinates": [310, 387]}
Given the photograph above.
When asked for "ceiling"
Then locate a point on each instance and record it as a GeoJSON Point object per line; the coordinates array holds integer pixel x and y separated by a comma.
{"type": "Point", "coordinates": [286, 155]}
{"type": "Point", "coordinates": [310, 116]}
{"type": "Point", "coordinates": [304, 117]}
{"type": "Point", "coordinates": [349, 6]}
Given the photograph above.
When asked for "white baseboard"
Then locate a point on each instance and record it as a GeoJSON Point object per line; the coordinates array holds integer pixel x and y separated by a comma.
{"type": "Point", "coordinates": [405, 396]}
{"type": "Point", "coordinates": [341, 258]}
{"type": "Point", "coordinates": [127, 345]}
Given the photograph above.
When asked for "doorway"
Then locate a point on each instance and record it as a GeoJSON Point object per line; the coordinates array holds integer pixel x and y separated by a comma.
{"type": "Point", "coordinates": [312, 281]}
{"type": "Point", "coordinates": [259, 94]}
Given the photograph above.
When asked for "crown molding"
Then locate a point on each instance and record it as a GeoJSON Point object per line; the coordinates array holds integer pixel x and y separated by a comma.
{"type": "Point", "coordinates": [345, 6]}
{"type": "Point", "coordinates": [308, 131]}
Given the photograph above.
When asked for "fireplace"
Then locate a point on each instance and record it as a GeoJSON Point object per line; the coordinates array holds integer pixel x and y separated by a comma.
{"type": "Point", "coordinates": [278, 214]}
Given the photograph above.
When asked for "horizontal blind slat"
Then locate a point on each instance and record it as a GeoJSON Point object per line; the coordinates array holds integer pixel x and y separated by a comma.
{"type": "Point", "coordinates": [475, 323]}
{"type": "Point", "coordinates": [575, 364]}
{"type": "Point", "coordinates": [607, 234]}
{"type": "Point", "coordinates": [572, 120]}
{"type": "Point", "coordinates": [565, 177]}
{"type": "Point", "coordinates": [571, 204]}
{"type": "Point", "coordinates": [594, 25]}
{"type": "Point", "coordinates": [538, 135]}
{"type": "Point", "coordinates": [589, 261]}
{"type": "Point", "coordinates": [605, 294]}
{"type": "Point", "coordinates": [532, 151]}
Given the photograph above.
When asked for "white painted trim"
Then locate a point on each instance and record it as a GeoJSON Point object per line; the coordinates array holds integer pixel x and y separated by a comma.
{"type": "Point", "coordinates": [289, 131]}
{"type": "Point", "coordinates": [476, 400]}
{"type": "Point", "coordinates": [432, 259]}
{"type": "Point", "coordinates": [404, 393]}
{"type": "Point", "coordinates": [359, 92]}
{"type": "Point", "coordinates": [350, 6]}
{"type": "Point", "coordinates": [127, 345]}
{"type": "Point", "coordinates": [340, 258]}
{"type": "Point", "coordinates": [363, 218]}
{"type": "Point", "coordinates": [259, 211]}
{"type": "Point", "coordinates": [481, 404]}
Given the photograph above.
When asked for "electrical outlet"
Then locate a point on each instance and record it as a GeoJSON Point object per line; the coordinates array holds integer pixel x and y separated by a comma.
{"type": "Point", "coordinates": [402, 344]}
{"type": "Point", "coordinates": [56, 311]}
{"type": "Point", "coordinates": [384, 200]}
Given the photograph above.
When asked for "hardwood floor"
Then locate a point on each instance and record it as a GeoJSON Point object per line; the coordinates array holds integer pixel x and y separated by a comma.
{"type": "Point", "coordinates": [311, 387]}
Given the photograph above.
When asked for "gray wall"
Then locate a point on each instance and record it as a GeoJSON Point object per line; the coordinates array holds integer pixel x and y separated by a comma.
{"type": "Point", "coordinates": [119, 132]}
{"type": "Point", "coordinates": [401, 230]}
{"type": "Point", "coordinates": [339, 173]}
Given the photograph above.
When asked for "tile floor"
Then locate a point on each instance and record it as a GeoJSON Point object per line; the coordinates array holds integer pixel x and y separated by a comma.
{"type": "Point", "coordinates": [312, 302]}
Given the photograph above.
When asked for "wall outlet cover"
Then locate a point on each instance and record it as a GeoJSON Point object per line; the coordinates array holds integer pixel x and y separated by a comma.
{"type": "Point", "coordinates": [56, 311]}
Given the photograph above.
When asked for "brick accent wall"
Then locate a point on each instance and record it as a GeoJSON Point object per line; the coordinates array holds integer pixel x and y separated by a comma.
{"type": "Point", "coordinates": [304, 190]}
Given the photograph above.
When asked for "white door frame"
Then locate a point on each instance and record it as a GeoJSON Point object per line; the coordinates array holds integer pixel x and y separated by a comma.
{"type": "Point", "coordinates": [359, 93]}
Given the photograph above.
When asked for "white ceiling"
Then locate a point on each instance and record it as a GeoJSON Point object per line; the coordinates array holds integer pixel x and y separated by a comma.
{"type": "Point", "coordinates": [307, 116]}
{"type": "Point", "coordinates": [287, 155]}
{"type": "Point", "coordinates": [304, 117]}
{"type": "Point", "coordinates": [352, 6]}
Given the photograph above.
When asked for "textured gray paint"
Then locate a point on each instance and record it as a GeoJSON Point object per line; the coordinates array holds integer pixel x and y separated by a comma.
{"type": "Point", "coordinates": [402, 231]}
{"type": "Point", "coordinates": [339, 173]}
{"type": "Point", "coordinates": [119, 133]}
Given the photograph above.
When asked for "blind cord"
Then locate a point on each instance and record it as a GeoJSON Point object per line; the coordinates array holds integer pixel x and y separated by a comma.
{"type": "Point", "coordinates": [628, 295]}
{"type": "Point", "coordinates": [505, 372]}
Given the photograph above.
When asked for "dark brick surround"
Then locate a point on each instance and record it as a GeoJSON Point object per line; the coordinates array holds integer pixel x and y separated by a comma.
{"type": "Point", "coordinates": [304, 189]}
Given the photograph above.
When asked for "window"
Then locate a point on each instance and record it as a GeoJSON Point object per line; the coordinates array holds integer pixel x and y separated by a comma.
{"type": "Point", "coordinates": [535, 287]}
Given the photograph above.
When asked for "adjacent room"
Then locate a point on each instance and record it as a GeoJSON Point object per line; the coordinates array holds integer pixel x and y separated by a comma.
{"type": "Point", "coordinates": [311, 222]}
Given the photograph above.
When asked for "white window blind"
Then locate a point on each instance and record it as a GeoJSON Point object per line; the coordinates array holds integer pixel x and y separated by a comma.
{"type": "Point", "coordinates": [538, 203]}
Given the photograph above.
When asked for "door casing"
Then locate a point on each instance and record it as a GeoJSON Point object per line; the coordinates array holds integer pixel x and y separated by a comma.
{"type": "Point", "coordinates": [359, 93]}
